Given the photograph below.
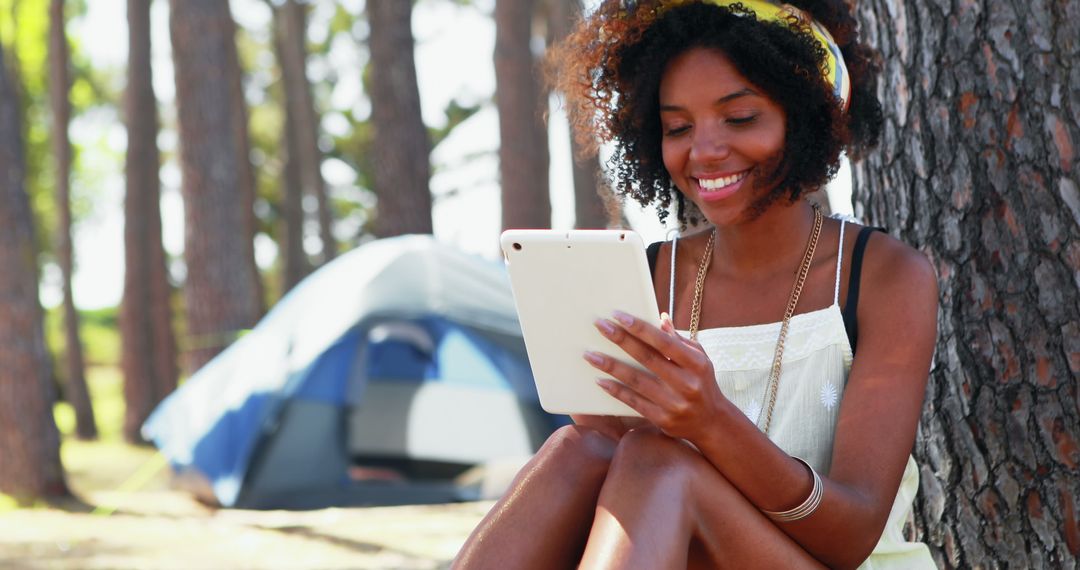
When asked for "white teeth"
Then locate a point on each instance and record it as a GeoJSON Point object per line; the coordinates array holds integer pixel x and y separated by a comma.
{"type": "Point", "coordinates": [714, 183]}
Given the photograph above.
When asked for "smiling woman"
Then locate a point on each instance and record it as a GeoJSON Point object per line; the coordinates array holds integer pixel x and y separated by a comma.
{"type": "Point", "coordinates": [764, 442]}
{"type": "Point", "coordinates": [711, 146]}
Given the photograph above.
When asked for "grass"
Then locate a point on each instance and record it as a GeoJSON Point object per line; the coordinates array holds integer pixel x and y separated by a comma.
{"type": "Point", "coordinates": [104, 464]}
{"type": "Point", "coordinates": [108, 464]}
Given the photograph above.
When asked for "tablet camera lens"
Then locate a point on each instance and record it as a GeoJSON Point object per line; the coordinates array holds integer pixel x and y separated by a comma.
{"type": "Point", "coordinates": [517, 246]}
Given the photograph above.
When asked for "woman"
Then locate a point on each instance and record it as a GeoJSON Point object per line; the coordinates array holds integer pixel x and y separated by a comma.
{"type": "Point", "coordinates": [765, 442]}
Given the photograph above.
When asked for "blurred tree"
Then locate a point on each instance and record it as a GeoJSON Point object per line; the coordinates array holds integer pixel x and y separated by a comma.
{"type": "Point", "coordinates": [246, 171]}
{"type": "Point", "coordinates": [302, 122]}
{"type": "Point", "coordinates": [149, 345]}
{"type": "Point", "coordinates": [222, 293]}
{"type": "Point", "coordinates": [294, 263]}
{"type": "Point", "coordinates": [402, 167]}
{"type": "Point", "coordinates": [591, 200]}
{"type": "Point", "coordinates": [978, 168]}
{"type": "Point", "coordinates": [523, 142]}
{"type": "Point", "coordinates": [59, 86]}
{"type": "Point", "coordinates": [29, 441]}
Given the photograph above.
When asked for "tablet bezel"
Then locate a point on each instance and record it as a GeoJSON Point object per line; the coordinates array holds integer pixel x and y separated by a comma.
{"type": "Point", "coordinates": [562, 282]}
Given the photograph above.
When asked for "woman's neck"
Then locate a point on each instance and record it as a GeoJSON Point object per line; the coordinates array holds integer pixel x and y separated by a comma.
{"type": "Point", "coordinates": [773, 241]}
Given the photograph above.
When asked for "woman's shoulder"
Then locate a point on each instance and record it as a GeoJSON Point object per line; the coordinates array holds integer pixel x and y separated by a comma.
{"type": "Point", "coordinates": [896, 275]}
{"type": "Point", "coordinates": [889, 258]}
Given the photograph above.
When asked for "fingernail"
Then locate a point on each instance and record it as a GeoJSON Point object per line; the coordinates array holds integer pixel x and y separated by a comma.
{"type": "Point", "coordinates": [604, 326]}
{"type": "Point", "coordinates": [624, 318]}
{"type": "Point", "coordinates": [603, 383]}
{"type": "Point", "coordinates": [594, 358]}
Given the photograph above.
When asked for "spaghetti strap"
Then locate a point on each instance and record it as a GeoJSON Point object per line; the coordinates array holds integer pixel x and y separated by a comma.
{"type": "Point", "coordinates": [671, 287]}
{"type": "Point", "coordinates": [839, 258]}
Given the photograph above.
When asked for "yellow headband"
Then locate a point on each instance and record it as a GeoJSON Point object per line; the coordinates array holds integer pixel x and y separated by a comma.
{"type": "Point", "coordinates": [836, 72]}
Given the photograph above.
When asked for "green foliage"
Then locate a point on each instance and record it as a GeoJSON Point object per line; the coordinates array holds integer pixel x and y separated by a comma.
{"type": "Point", "coordinates": [99, 332]}
{"type": "Point", "coordinates": [106, 385]}
{"type": "Point", "coordinates": [456, 113]}
{"type": "Point", "coordinates": [24, 30]}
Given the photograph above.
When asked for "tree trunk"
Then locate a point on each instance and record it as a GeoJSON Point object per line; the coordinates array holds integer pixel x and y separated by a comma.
{"type": "Point", "coordinates": [523, 143]}
{"type": "Point", "coordinates": [29, 442]}
{"type": "Point", "coordinates": [978, 169]}
{"type": "Point", "coordinates": [220, 292]}
{"type": "Point", "coordinates": [246, 170]}
{"type": "Point", "coordinates": [301, 104]}
{"type": "Point", "coordinates": [295, 264]}
{"type": "Point", "coordinates": [401, 146]}
{"type": "Point", "coordinates": [59, 85]}
{"type": "Point", "coordinates": [148, 344]}
{"type": "Point", "coordinates": [591, 200]}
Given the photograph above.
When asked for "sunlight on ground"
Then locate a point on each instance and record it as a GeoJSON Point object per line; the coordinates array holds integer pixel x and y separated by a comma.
{"type": "Point", "coordinates": [127, 517]}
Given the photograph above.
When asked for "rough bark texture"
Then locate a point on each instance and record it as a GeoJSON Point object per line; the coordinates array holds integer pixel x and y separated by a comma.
{"type": "Point", "coordinates": [592, 200]}
{"type": "Point", "coordinates": [59, 85]}
{"type": "Point", "coordinates": [29, 442]}
{"type": "Point", "coordinates": [148, 343]}
{"type": "Point", "coordinates": [300, 105]}
{"type": "Point", "coordinates": [402, 149]}
{"type": "Point", "coordinates": [523, 143]}
{"type": "Point", "coordinates": [978, 169]}
{"type": "Point", "coordinates": [220, 291]}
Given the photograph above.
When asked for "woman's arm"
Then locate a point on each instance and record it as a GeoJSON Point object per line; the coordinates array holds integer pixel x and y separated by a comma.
{"type": "Point", "coordinates": [876, 425]}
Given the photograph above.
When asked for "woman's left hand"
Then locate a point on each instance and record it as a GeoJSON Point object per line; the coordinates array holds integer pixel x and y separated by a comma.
{"type": "Point", "coordinates": [676, 392]}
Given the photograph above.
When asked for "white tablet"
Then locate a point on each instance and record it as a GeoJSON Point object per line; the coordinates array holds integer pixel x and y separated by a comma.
{"type": "Point", "coordinates": [563, 281]}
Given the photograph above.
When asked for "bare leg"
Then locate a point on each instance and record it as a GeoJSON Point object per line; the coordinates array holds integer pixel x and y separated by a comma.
{"type": "Point", "coordinates": [544, 518]}
{"type": "Point", "coordinates": [662, 500]}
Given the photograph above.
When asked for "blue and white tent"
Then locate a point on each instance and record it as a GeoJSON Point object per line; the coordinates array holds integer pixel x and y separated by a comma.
{"type": "Point", "coordinates": [402, 352]}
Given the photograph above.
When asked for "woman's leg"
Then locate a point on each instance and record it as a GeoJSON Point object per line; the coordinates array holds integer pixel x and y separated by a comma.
{"type": "Point", "coordinates": [543, 519]}
{"type": "Point", "coordinates": [661, 497]}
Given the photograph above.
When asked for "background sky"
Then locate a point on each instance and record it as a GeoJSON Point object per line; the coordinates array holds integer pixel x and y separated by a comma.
{"type": "Point", "coordinates": [453, 59]}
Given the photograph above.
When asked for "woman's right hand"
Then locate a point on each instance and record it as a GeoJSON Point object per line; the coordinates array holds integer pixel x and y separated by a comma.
{"type": "Point", "coordinates": [612, 426]}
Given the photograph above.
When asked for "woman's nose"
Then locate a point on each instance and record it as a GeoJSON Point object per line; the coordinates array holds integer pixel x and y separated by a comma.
{"type": "Point", "coordinates": [710, 144]}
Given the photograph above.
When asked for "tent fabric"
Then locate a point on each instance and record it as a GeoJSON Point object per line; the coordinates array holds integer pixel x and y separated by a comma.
{"type": "Point", "coordinates": [306, 348]}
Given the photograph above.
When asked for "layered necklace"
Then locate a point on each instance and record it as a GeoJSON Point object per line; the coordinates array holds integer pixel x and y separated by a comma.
{"type": "Point", "coordinates": [699, 287]}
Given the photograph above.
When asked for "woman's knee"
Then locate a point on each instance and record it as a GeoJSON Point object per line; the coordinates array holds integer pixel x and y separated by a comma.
{"type": "Point", "coordinates": [651, 454]}
{"type": "Point", "coordinates": [578, 450]}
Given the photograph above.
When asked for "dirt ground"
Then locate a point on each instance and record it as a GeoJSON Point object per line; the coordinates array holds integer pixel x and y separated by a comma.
{"type": "Point", "coordinates": [168, 530]}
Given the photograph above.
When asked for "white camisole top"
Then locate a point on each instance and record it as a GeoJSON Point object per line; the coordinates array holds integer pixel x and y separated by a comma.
{"type": "Point", "coordinates": [816, 362]}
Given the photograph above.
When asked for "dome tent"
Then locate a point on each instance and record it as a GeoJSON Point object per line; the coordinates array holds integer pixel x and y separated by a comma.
{"type": "Point", "coordinates": [399, 352]}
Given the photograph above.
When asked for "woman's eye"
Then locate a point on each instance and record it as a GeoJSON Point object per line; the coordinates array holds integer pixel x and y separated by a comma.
{"type": "Point", "coordinates": [676, 131]}
{"type": "Point", "coordinates": [742, 120]}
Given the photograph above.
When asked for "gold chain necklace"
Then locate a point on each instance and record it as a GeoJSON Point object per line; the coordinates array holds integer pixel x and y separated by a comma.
{"type": "Point", "coordinates": [699, 287]}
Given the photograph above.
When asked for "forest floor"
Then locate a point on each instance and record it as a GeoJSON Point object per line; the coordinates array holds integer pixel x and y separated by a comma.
{"type": "Point", "coordinates": [124, 515]}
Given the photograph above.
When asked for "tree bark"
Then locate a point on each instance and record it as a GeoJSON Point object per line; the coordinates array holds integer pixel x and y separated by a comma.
{"type": "Point", "coordinates": [592, 200]}
{"type": "Point", "coordinates": [523, 143]}
{"type": "Point", "coordinates": [295, 265]}
{"type": "Point", "coordinates": [148, 343]}
{"type": "Point", "coordinates": [221, 293]}
{"type": "Point", "coordinates": [239, 116]}
{"type": "Point", "coordinates": [978, 169]}
{"type": "Point", "coordinates": [29, 442]}
{"type": "Point", "coordinates": [301, 105]}
{"type": "Point", "coordinates": [76, 392]}
{"type": "Point", "coordinates": [401, 146]}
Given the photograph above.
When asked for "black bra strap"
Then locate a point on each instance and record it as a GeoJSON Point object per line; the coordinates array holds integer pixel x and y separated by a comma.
{"type": "Point", "coordinates": [651, 253]}
{"type": "Point", "coordinates": [851, 325]}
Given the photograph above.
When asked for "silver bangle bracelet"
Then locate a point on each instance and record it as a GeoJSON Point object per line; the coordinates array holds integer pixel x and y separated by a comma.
{"type": "Point", "coordinates": [807, 507]}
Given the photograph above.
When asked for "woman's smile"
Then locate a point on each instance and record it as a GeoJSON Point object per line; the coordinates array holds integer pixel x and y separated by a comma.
{"type": "Point", "coordinates": [714, 187]}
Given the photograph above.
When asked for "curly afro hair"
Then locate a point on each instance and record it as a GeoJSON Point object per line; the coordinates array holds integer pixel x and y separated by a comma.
{"type": "Point", "coordinates": [610, 68]}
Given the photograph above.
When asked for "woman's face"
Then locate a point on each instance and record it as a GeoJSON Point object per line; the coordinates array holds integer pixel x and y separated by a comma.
{"type": "Point", "coordinates": [721, 135]}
